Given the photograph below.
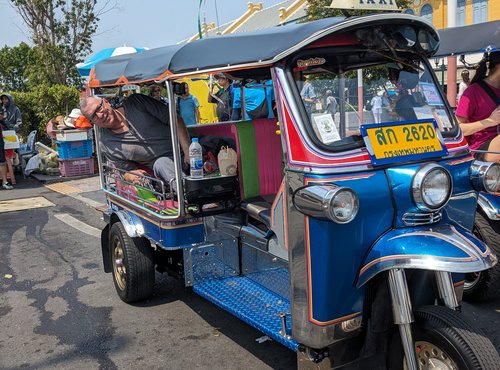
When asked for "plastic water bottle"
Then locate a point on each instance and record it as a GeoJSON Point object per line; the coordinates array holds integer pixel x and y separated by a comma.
{"type": "Point", "coordinates": [196, 159]}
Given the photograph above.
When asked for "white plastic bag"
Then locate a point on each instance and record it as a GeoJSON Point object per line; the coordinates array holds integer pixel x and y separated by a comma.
{"type": "Point", "coordinates": [228, 161]}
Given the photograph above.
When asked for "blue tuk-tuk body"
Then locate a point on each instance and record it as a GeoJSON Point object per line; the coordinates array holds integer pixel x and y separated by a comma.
{"type": "Point", "coordinates": [332, 240]}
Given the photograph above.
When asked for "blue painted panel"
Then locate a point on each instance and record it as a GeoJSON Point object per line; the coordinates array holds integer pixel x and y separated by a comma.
{"type": "Point", "coordinates": [251, 303]}
{"type": "Point", "coordinates": [183, 236]}
{"type": "Point", "coordinates": [459, 211]}
{"type": "Point", "coordinates": [337, 251]}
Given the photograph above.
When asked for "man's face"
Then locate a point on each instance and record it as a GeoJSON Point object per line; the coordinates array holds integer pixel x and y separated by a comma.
{"type": "Point", "coordinates": [100, 113]}
{"type": "Point", "coordinates": [5, 100]}
{"type": "Point", "coordinates": [222, 81]}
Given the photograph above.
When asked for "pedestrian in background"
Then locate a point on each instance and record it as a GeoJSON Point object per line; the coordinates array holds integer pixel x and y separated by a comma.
{"type": "Point", "coordinates": [188, 107]}
{"type": "Point", "coordinates": [478, 110]}
{"type": "Point", "coordinates": [155, 92]}
{"type": "Point", "coordinates": [464, 84]}
{"type": "Point", "coordinates": [3, 160]}
{"type": "Point", "coordinates": [12, 119]}
{"type": "Point", "coordinates": [223, 98]}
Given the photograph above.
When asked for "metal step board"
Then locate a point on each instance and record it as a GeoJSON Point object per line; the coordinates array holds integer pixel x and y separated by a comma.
{"type": "Point", "coordinates": [251, 303]}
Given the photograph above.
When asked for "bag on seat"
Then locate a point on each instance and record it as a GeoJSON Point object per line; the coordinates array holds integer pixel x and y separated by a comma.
{"type": "Point", "coordinates": [228, 161]}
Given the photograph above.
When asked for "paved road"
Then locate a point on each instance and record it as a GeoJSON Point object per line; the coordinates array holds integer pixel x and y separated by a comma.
{"type": "Point", "coordinates": [58, 310]}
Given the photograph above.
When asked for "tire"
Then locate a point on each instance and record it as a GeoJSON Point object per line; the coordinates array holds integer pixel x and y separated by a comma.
{"type": "Point", "coordinates": [446, 338]}
{"type": "Point", "coordinates": [133, 266]}
{"type": "Point", "coordinates": [484, 285]}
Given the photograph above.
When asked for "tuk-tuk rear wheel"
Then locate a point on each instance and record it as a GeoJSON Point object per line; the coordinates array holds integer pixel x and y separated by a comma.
{"type": "Point", "coordinates": [133, 266]}
{"type": "Point", "coordinates": [484, 285]}
{"type": "Point", "coordinates": [446, 341]}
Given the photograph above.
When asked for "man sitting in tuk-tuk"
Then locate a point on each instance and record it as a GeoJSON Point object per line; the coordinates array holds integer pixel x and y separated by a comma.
{"type": "Point", "coordinates": [136, 136]}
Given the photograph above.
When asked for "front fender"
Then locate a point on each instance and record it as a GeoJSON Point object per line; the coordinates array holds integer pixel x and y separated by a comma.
{"type": "Point", "coordinates": [441, 248]}
{"type": "Point", "coordinates": [490, 205]}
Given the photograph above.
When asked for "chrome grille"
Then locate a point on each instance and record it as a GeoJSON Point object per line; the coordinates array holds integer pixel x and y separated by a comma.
{"type": "Point", "coordinates": [416, 219]}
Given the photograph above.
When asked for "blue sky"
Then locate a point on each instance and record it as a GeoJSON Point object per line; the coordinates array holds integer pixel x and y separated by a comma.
{"type": "Point", "coordinates": [140, 23]}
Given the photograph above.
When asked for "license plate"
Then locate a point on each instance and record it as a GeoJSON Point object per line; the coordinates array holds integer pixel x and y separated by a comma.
{"type": "Point", "coordinates": [398, 142]}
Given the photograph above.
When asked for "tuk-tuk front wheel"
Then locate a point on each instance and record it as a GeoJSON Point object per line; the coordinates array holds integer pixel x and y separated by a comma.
{"type": "Point", "coordinates": [484, 285]}
{"type": "Point", "coordinates": [133, 266]}
{"type": "Point", "coordinates": [445, 341]}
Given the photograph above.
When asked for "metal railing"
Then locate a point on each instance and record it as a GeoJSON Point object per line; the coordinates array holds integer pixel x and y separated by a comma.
{"type": "Point", "coordinates": [146, 192]}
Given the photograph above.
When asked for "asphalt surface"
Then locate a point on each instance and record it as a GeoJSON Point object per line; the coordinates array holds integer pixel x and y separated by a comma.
{"type": "Point", "coordinates": [59, 310]}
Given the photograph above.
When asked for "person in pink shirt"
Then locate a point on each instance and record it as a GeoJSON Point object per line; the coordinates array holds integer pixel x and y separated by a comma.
{"type": "Point", "coordinates": [478, 111]}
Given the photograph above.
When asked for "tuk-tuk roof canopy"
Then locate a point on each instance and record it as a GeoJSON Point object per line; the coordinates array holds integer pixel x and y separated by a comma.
{"type": "Point", "coordinates": [229, 52]}
{"type": "Point", "coordinates": [474, 38]}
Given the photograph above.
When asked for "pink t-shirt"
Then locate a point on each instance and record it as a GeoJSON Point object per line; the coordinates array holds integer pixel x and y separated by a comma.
{"type": "Point", "coordinates": [474, 105]}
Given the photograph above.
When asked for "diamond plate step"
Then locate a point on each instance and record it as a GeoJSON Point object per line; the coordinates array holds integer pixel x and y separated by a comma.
{"type": "Point", "coordinates": [251, 303]}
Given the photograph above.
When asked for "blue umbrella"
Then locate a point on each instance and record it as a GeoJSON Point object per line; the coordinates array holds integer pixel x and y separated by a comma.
{"type": "Point", "coordinates": [85, 67]}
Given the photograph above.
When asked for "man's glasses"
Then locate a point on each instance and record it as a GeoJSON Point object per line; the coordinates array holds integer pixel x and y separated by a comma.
{"type": "Point", "coordinates": [156, 90]}
{"type": "Point", "coordinates": [93, 117]}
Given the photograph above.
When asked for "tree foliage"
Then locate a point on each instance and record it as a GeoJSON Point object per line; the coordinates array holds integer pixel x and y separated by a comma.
{"type": "Point", "coordinates": [317, 9]}
{"type": "Point", "coordinates": [14, 67]}
{"type": "Point", "coordinates": [42, 103]}
{"type": "Point", "coordinates": [61, 32]}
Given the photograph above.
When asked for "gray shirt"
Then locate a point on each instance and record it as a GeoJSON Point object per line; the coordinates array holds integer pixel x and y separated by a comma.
{"type": "Point", "coordinates": [147, 139]}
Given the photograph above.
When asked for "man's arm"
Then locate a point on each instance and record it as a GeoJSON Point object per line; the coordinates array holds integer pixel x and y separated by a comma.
{"type": "Point", "coordinates": [184, 140]}
{"type": "Point", "coordinates": [469, 128]}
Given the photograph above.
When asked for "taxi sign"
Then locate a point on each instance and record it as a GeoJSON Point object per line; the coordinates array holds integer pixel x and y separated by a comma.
{"type": "Point", "coordinates": [403, 141]}
{"type": "Point", "coordinates": [385, 5]}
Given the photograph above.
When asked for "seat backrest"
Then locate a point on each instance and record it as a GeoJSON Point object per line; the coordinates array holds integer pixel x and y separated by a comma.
{"type": "Point", "coordinates": [259, 154]}
{"type": "Point", "coordinates": [269, 155]}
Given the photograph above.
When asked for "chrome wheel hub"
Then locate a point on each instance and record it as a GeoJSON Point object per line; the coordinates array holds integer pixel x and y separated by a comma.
{"type": "Point", "coordinates": [431, 357]}
{"type": "Point", "coordinates": [119, 270]}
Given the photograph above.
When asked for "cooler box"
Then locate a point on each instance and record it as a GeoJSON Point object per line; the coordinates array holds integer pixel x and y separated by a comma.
{"type": "Point", "coordinates": [74, 149]}
{"type": "Point", "coordinates": [76, 167]}
{"type": "Point", "coordinates": [72, 135]}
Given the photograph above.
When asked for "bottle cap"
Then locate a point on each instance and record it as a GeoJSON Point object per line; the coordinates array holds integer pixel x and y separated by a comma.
{"type": "Point", "coordinates": [194, 140]}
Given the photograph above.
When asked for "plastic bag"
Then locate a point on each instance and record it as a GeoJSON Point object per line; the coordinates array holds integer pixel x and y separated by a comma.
{"type": "Point", "coordinates": [228, 161]}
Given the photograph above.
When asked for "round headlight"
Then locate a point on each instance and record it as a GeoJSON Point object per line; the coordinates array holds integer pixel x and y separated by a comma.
{"type": "Point", "coordinates": [327, 201]}
{"type": "Point", "coordinates": [344, 206]}
{"type": "Point", "coordinates": [492, 178]}
{"type": "Point", "coordinates": [485, 176]}
{"type": "Point", "coordinates": [431, 187]}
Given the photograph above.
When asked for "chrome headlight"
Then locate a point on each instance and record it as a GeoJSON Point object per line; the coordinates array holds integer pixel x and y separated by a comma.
{"type": "Point", "coordinates": [331, 202]}
{"type": "Point", "coordinates": [431, 187]}
{"type": "Point", "coordinates": [485, 176]}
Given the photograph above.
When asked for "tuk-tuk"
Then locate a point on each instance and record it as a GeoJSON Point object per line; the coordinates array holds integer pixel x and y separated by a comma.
{"type": "Point", "coordinates": [343, 239]}
{"type": "Point", "coordinates": [480, 285]}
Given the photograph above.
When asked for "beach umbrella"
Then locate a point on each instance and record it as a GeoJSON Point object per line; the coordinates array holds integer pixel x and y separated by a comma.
{"type": "Point", "coordinates": [85, 67]}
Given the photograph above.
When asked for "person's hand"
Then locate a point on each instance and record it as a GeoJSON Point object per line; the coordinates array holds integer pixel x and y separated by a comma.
{"type": "Point", "coordinates": [134, 176]}
{"type": "Point", "coordinates": [494, 118]}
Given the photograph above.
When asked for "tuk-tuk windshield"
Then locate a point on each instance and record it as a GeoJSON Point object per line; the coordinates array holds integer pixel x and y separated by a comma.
{"type": "Point", "coordinates": [341, 91]}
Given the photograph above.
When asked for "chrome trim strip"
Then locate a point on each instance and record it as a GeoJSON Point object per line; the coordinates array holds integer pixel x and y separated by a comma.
{"type": "Point", "coordinates": [491, 211]}
{"type": "Point", "coordinates": [403, 314]}
{"type": "Point", "coordinates": [446, 289]}
{"type": "Point", "coordinates": [419, 219]}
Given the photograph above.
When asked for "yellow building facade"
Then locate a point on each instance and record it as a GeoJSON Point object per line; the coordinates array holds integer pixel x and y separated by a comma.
{"type": "Point", "coordinates": [468, 11]}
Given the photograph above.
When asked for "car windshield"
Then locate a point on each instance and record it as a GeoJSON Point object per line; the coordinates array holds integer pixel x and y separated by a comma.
{"type": "Point", "coordinates": [342, 91]}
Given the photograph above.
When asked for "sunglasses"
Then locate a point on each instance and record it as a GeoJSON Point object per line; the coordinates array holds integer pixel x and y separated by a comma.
{"type": "Point", "coordinates": [98, 110]}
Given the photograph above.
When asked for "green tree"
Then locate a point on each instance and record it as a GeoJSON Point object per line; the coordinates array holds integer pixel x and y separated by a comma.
{"type": "Point", "coordinates": [317, 9]}
{"type": "Point", "coordinates": [61, 32]}
{"type": "Point", "coordinates": [15, 63]}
